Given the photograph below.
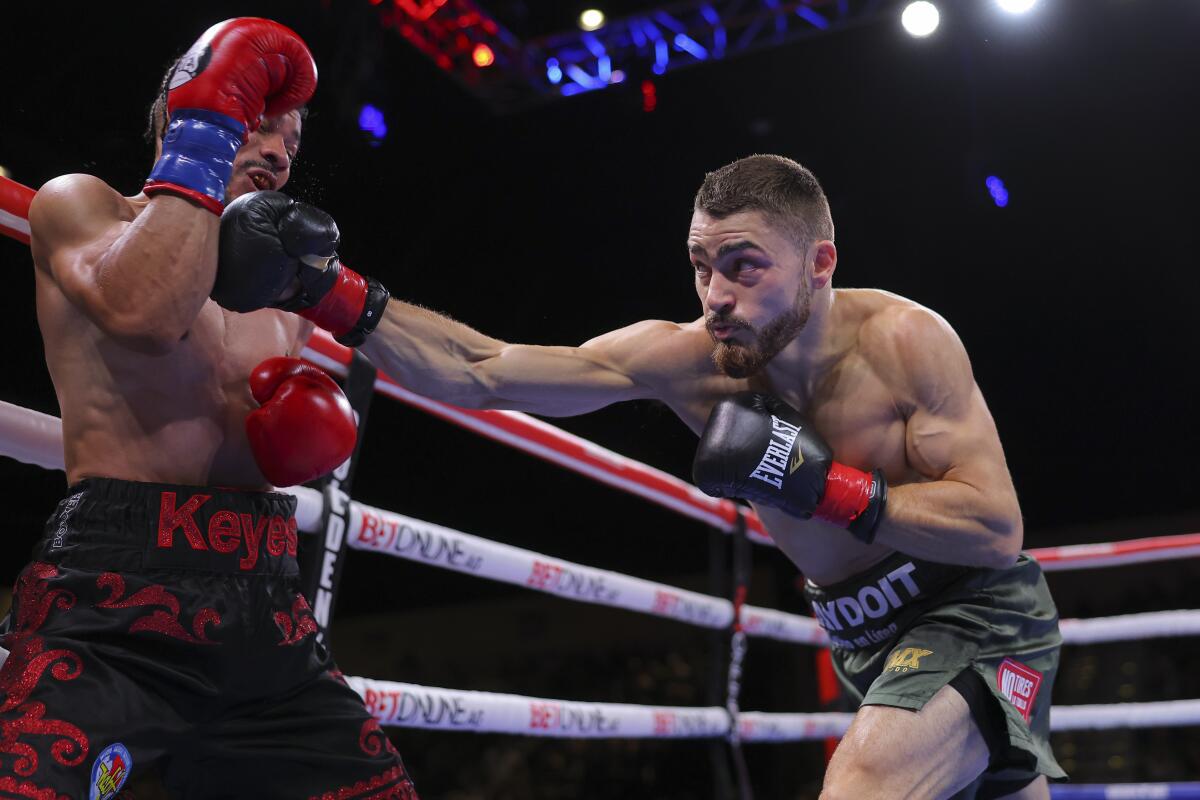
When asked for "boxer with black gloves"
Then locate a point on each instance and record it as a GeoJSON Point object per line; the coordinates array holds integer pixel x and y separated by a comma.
{"type": "Point", "coordinates": [277, 253]}
{"type": "Point", "coordinates": [851, 421]}
{"type": "Point", "coordinates": [159, 638]}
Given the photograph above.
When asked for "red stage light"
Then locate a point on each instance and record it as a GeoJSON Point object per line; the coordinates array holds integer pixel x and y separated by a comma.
{"type": "Point", "coordinates": [649, 96]}
{"type": "Point", "coordinates": [483, 55]}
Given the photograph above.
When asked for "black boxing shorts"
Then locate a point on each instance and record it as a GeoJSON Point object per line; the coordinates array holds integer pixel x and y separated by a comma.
{"type": "Point", "coordinates": [159, 636]}
{"type": "Point", "coordinates": [905, 628]}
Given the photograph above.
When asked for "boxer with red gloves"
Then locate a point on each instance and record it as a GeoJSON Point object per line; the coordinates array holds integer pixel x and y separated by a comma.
{"type": "Point", "coordinates": [160, 633]}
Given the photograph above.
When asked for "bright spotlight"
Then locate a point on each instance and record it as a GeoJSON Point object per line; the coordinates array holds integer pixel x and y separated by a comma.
{"type": "Point", "coordinates": [1016, 6]}
{"type": "Point", "coordinates": [591, 19]}
{"type": "Point", "coordinates": [483, 56]}
{"type": "Point", "coordinates": [920, 18]}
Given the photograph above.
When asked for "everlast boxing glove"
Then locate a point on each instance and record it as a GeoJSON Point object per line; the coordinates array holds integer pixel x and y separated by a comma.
{"type": "Point", "coordinates": [304, 428]}
{"type": "Point", "coordinates": [270, 245]}
{"type": "Point", "coordinates": [237, 71]}
{"type": "Point", "coordinates": [758, 448]}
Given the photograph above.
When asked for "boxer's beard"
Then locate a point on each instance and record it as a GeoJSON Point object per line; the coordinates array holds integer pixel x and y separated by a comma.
{"type": "Point", "coordinates": [743, 360]}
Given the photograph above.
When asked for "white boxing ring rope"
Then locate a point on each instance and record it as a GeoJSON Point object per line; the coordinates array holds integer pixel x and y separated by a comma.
{"type": "Point", "coordinates": [35, 438]}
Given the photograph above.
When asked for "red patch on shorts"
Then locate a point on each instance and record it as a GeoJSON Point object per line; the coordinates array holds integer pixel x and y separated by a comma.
{"type": "Point", "coordinates": [1019, 684]}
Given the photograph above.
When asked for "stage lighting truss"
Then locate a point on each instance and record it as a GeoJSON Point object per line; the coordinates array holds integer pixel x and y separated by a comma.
{"type": "Point", "coordinates": [639, 46]}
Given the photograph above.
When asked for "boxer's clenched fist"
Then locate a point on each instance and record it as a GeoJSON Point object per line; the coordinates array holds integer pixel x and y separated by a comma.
{"type": "Point", "coordinates": [304, 427]}
{"type": "Point", "coordinates": [283, 254]}
{"type": "Point", "coordinates": [758, 448]}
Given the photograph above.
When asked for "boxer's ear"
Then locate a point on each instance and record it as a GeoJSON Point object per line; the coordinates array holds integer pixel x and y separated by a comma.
{"type": "Point", "coordinates": [823, 254]}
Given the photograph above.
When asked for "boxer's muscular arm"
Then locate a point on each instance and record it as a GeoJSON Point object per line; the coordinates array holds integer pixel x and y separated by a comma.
{"type": "Point", "coordinates": [967, 511]}
{"type": "Point", "coordinates": [446, 360]}
{"type": "Point", "coordinates": [141, 282]}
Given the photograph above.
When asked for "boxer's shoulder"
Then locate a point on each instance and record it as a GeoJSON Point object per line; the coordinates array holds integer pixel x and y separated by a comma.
{"type": "Point", "coordinates": [911, 347]}
{"type": "Point", "coordinates": [73, 209]}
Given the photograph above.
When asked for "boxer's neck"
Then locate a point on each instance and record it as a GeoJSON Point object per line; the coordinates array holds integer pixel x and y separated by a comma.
{"type": "Point", "coordinates": [814, 350]}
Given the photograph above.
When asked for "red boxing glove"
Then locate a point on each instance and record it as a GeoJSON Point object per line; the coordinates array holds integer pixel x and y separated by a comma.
{"type": "Point", "coordinates": [244, 68]}
{"type": "Point", "coordinates": [305, 427]}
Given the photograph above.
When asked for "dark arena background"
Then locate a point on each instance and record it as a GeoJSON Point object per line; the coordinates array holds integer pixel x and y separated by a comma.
{"type": "Point", "coordinates": [1032, 177]}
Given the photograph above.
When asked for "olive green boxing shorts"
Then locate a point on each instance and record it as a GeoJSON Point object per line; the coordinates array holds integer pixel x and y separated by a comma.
{"type": "Point", "coordinates": [905, 628]}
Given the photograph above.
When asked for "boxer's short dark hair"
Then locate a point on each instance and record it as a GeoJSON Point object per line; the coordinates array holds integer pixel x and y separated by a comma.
{"type": "Point", "coordinates": [156, 122]}
{"type": "Point", "coordinates": [789, 195]}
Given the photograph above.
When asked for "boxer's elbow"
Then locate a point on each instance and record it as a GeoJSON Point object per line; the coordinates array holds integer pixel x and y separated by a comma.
{"type": "Point", "coordinates": [493, 377]}
{"type": "Point", "coordinates": [1005, 537]}
{"type": "Point", "coordinates": [135, 326]}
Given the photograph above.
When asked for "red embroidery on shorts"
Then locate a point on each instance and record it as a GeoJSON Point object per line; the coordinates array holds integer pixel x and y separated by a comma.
{"type": "Point", "coordinates": [367, 790]}
{"type": "Point", "coordinates": [301, 620]}
{"type": "Point", "coordinates": [69, 750]}
{"type": "Point", "coordinates": [29, 790]}
{"type": "Point", "coordinates": [27, 662]}
{"type": "Point", "coordinates": [1019, 684]}
{"type": "Point", "coordinates": [34, 598]}
{"type": "Point", "coordinates": [373, 741]}
{"type": "Point", "coordinates": [164, 622]}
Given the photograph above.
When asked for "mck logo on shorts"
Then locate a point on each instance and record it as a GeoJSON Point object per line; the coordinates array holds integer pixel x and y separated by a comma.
{"type": "Point", "coordinates": [232, 537]}
{"type": "Point", "coordinates": [905, 659]}
{"type": "Point", "coordinates": [771, 468]}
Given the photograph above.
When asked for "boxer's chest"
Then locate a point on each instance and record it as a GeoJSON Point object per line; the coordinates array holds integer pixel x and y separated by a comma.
{"type": "Point", "coordinates": [206, 375]}
{"type": "Point", "coordinates": [853, 409]}
{"type": "Point", "coordinates": [861, 420]}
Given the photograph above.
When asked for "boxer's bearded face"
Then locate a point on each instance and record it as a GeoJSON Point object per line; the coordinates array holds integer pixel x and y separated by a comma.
{"type": "Point", "coordinates": [754, 284]}
{"type": "Point", "coordinates": [741, 359]}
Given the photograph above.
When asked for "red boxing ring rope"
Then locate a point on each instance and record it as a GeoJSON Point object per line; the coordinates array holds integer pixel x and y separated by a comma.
{"type": "Point", "coordinates": [579, 455]}
{"type": "Point", "coordinates": [14, 209]}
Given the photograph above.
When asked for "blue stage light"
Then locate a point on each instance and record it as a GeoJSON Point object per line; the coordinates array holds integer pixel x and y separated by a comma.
{"type": "Point", "coordinates": [553, 70]}
{"type": "Point", "coordinates": [997, 190]}
{"type": "Point", "coordinates": [370, 119]}
{"type": "Point", "coordinates": [660, 56]}
{"type": "Point", "coordinates": [690, 45]}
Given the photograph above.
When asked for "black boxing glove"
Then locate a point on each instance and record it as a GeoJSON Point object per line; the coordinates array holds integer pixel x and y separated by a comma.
{"type": "Point", "coordinates": [277, 253]}
{"type": "Point", "coordinates": [758, 448]}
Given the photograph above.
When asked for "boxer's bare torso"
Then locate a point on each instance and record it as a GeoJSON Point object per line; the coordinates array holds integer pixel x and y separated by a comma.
{"type": "Point", "coordinates": [856, 403]}
{"type": "Point", "coordinates": [171, 413]}
{"type": "Point", "coordinates": [863, 397]}
{"type": "Point", "coordinates": [889, 386]}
